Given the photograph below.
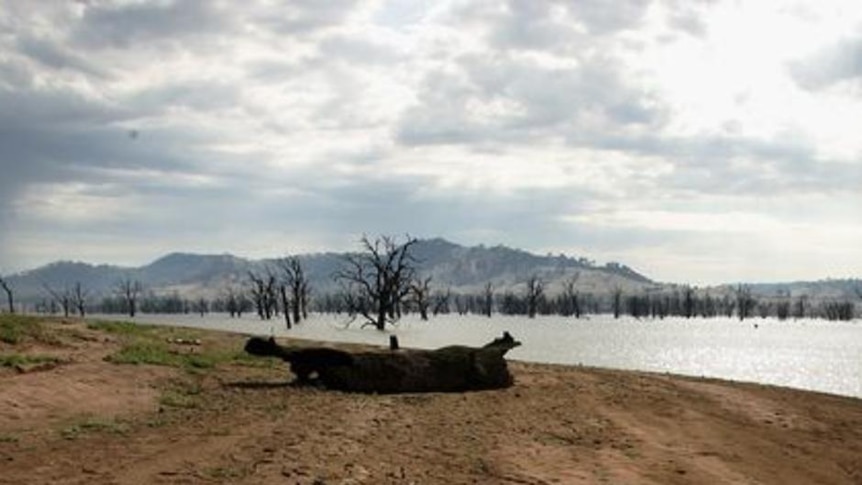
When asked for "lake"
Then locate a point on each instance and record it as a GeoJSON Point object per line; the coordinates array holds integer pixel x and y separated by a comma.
{"type": "Point", "coordinates": [805, 354]}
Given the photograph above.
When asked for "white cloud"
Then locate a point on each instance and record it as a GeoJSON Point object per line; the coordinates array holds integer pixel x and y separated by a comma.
{"type": "Point", "coordinates": [669, 135]}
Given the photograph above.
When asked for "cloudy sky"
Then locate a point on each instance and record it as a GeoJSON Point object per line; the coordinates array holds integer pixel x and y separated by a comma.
{"type": "Point", "coordinates": [697, 141]}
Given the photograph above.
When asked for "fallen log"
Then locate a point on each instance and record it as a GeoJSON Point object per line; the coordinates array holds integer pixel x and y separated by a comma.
{"type": "Point", "coordinates": [454, 368]}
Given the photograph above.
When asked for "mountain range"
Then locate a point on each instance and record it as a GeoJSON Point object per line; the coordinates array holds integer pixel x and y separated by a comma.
{"type": "Point", "coordinates": [451, 266]}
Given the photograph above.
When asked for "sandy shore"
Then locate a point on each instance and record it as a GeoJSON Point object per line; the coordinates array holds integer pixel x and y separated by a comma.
{"type": "Point", "coordinates": [86, 420]}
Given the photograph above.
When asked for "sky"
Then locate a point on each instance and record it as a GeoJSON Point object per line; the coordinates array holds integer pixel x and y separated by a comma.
{"type": "Point", "coordinates": [697, 141]}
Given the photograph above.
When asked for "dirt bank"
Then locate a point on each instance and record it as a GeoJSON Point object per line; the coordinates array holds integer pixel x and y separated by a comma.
{"type": "Point", "coordinates": [207, 414]}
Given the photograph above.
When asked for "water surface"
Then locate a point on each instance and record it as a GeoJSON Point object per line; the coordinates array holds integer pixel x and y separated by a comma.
{"type": "Point", "coordinates": [806, 354]}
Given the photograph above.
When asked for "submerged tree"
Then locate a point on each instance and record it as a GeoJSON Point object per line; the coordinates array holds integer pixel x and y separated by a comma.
{"type": "Point", "coordinates": [64, 299]}
{"type": "Point", "coordinates": [488, 299]}
{"type": "Point", "coordinates": [617, 300]}
{"type": "Point", "coordinates": [535, 293]}
{"type": "Point", "coordinates": [377, 280]}
{"type": "Point", "coordinates": [263, 290]}
{"type": "Point", "coordinates": [745, 303]}
{"type": "Point", "coordinates": [234, 301]}
{"type": "Point", "coordinates": [421, 292]}
{"type": "Point", "coordinates": [571, 304]}
{"type": "Point", "coordinates": [79, 296]}
{"type": "Point", "coordinates": [129, 290]}
{"type": "Point", "coordinates": [440, 302]}
{"type": "Point", "coordinates": [295, 280]}
{"type": "Point", "coordinates": [9, 296]}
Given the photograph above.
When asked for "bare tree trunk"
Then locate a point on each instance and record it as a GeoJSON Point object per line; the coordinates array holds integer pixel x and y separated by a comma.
{"type": "Point", "coordinates": [129, 291]}
{"type": "Point", "coordinates": [535, 290]}
{"type": "Point", "coordinates": [294, 277]}
{"type": "Point", "coordinates": [617, 301]}
{"type": "Point", "coordinates": [285, 304]}
{"type": "Point", "coordinates": [488, 305]}
{"type": "Point", "coordinates": [80, 296]}
{"type": "Point", "coordinates": [421, 290]}
{"type": "Point", "coordinates": [9, 297]}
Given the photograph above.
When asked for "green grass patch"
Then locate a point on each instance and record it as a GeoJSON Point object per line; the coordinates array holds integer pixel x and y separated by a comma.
{"type": "Point", "coordinates": [156, 345]}
{"type": "Point", "coordinates": [15, 360]}
{"type": "Point", "coordinates": [154, 353]}
{"type": "Point", "coordinates": [8, 438]}
{"type": "Point", "coordinates": [226, 473]}
{"type": "Point", "coordinates": [15, 329]}
{"type": "Point", "coordinates": [138, 330]}
{"type": "Point", "coordinates": [177, 399]}
{"type": "Point", "coordinates": [128, 329]}
{"type": "Point", "coordinates": [93, 425]}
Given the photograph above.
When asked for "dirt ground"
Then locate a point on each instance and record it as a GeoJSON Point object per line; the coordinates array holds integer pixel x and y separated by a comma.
{"type": "Point", "coordinates": [85, 420]}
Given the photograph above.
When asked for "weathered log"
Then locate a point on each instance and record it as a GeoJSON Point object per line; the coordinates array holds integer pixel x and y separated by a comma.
{"type": "Point", "coordinates": [448, 369]}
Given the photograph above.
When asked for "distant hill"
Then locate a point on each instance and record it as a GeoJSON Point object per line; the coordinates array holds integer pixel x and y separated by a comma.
{"type": "Point", "coordinates": [458, 268]}
{"type": "Point", "coordinates": [452, 266]}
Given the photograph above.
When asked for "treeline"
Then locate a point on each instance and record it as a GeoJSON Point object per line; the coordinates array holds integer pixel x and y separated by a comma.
{"type": "Point", "coordinates": [381, 283]}
{"type": "Point", "coordinates": [685, 302]}
{"type": "Point", "coordinates": [264, 300]}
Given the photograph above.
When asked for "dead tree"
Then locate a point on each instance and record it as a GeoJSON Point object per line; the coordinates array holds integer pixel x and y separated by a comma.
{"type": "Point", "coordinates": [488, 299]}
{"type": "Point", "coordinates": [440, 302]}
{"type": "Point", "coordinates": [201, 306]}
{"type": "Point", "coordinates": [129, 290]}
{"type": "Point", "coordinates": [9, 296]}
{"type": "Point", "coordinates": [420, 290]}
{"type": "Point", "coordinates": [744, 302]}
{"type": "Point", "coordinates": [377, 280]}
{"type": "Point", "coordinates": [571, 297]}
{"type": "Point", "coordinates": [535, 292]}
{"type": "Point", "coordinates": [617, 296]}
{"type": "Point", "coordinates": [233, 302]}
{"type": "Point", "coordinates": [79, 298]}
{"type": "Point", "coordinates": [688, 302]}
{"type": "Point", "coordinates": [297, 281]}
{"type": "Point", "coordinates": [285, 303]}
{"type": "Point", "coordinates": [263, 290]}
{"type": "Point", "coordinates": [63, 299]}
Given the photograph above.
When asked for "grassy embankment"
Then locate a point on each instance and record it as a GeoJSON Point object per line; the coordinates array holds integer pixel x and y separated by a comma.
{"type": "Point", "coordinates": [31, 344]}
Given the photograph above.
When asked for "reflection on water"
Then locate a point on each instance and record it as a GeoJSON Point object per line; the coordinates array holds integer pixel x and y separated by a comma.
{"type": "Point", "coordinates": [805, 354]}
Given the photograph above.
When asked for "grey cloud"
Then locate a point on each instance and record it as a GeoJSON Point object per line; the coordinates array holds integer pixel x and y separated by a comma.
{"type": "Point", "coordinates": [705, 164]}
{"type": "Point", "coordinates": [528, 24]}
{"type": "Point", "coordinates": [137, 24]}
{"type": "Point", "coordinates": [602, 17]}
{"type": "Point", "coordinates": [52, 136]}
{"type": "Point", "coordinates": [52, 55]}
{"type": "Point", "coordinates": [839, 62]}
{"type": "Point", "coordinates": [300, 17]}
{"type": "Point", "coordinates": [198, 95]}
{"type": "Point", "coordinates": [51, 106]}
{"type": "Point", "coordinates": [391, 205]}
{"type": "Point", "coordinates": [550, 102]}
{"type": "Point", "coordinates": [15, 74]}
{"type": "Point", "coordinates": [440, 116]}
{"type": "Point", "coordinates": [354, 49]}
{"type": "Point", "coordinates": [272, 71]}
